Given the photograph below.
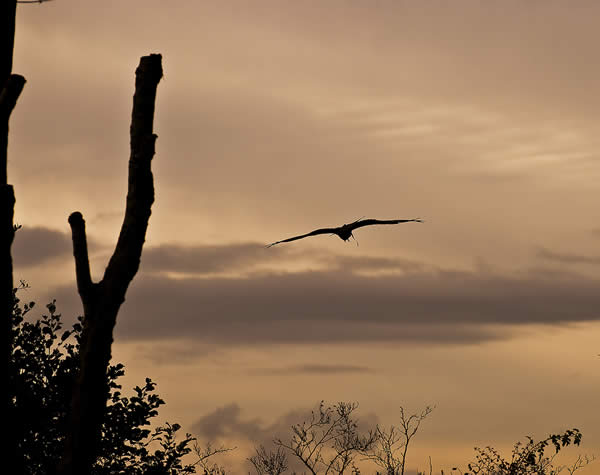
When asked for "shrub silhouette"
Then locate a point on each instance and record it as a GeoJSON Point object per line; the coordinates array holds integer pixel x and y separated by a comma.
{"type": "Point", "coordinates": [43, 366]}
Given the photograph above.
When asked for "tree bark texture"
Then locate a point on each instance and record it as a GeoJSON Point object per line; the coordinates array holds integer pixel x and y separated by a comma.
{"type": "Point", "coordinates": [102, 300]}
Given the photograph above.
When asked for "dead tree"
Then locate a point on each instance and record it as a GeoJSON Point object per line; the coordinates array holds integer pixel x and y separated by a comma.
{"type": "Point", "coordinates": [102, 300]}
{"type": "Point", "coordinates": [390, 448]}
{"type": "Point", "coordinates": [269, 463]}
{"type": "Point", "coordinates": [11, 86]}
{"type": "Point", "coordinates": [329, 442]}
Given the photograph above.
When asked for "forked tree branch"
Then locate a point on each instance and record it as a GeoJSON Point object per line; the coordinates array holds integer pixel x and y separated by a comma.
{"type": "Point", "coordinates": [101, 301]}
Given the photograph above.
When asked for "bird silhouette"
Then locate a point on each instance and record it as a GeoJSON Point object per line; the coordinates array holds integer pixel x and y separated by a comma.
{"type": "Point", "coordinates": [344, 232]}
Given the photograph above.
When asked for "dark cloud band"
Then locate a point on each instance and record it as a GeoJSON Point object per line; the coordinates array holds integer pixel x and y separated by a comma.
{"type": "Point", "coordinates": [335, 306]}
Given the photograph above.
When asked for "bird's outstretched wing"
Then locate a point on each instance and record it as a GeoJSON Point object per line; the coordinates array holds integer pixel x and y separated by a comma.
{"type": "Point", "coordinates": [312, 233]}
{"type": "Point", "coordinates": [369, 222]}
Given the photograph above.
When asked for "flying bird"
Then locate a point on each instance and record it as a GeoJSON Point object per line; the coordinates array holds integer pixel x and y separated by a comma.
{"type": "Point", "coordinates": [344, 232]}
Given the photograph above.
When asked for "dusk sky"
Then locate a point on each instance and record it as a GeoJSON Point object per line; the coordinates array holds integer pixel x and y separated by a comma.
{"type": "Point", "coordinates": [278, 117]}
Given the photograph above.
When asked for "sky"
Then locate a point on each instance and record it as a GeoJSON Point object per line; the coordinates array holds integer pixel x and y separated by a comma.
{"type": "Point", "coordinates": [278, 117]}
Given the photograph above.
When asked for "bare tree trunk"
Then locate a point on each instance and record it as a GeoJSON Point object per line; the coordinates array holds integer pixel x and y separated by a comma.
{"type": "Point", "coordinates": [102, 300]}
{"type": "Point", "coordinates": [10, 89]}
{"type": "Point", "coordinates": [8, 98]}
{"type": "Point", "coordinates": [8, 9]}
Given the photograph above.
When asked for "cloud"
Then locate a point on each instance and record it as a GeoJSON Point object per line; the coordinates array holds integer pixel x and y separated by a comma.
{"type": "Point", "coordinates": [205, 258]}
{"type": "Point", "coordinates": [324, 369]}
{"type": "Point", "coordinates": [227, 422]}
{"type": "Point", "coordinates": [37, 245]}
{"type": "Point", "coordinates": [244, 257]}
{"type": "Point", "coordinates": [372, 263]}
{"type": "Point", "coordinates": [175, 354]}
{"type": "Point", "coordinates": [567, 258]}
{"type": "Point", "coordinates": [337, 302]}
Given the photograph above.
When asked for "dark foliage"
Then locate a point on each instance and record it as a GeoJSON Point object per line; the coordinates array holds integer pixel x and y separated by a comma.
{"type": "Point", "coordinates": [43, 366]}
{"type": "Point", "coordinates": [529, 458]}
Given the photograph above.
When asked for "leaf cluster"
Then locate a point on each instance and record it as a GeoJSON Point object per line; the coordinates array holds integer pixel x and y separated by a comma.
{"type": "Point", "coordinates": [527, 458]}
